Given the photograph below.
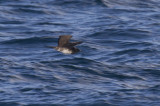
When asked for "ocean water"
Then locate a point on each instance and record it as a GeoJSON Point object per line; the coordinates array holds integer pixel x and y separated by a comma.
{"type": "Point", "coordinates": [119, 62]}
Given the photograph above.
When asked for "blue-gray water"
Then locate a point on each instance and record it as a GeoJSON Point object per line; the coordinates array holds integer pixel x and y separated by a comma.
{"type": "Point", "coordinates": [119, 62]}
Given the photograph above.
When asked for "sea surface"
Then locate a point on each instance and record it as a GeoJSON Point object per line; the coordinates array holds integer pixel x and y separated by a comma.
{"type": "Point", "coordinates": [119, 62]}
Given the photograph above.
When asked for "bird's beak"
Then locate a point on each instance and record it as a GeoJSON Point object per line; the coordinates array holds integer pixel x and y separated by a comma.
{"type": "Point", "coordinates": [51, 47]}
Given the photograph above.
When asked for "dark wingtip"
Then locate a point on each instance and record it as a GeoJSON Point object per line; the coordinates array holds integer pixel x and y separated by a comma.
{"type": "Point", "coordinates": [75, 43]}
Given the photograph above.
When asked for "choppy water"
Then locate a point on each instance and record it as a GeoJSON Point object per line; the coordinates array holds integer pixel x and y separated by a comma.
{"type": "Point", "coordinates": [119, 62]}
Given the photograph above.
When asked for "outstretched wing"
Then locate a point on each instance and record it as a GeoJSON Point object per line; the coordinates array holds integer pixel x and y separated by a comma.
{"type": "Point", "coordinates": [74, 43]}
{"type": "Point", "coordinates": [63, 40]}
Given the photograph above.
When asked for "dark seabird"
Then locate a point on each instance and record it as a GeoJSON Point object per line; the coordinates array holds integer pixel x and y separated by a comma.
{"type": "Point", "coordinates": [65, 46]}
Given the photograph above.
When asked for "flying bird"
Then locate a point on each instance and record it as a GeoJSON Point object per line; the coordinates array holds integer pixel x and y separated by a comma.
{"type": "Point", "coordinates": [65, 46]}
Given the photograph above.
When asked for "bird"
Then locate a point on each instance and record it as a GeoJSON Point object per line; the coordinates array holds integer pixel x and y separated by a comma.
{"type": "Point", "coordinates": [65, 46]}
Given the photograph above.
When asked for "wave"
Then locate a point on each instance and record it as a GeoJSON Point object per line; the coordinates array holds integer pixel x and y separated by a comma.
{"type": "Point", "coordinates": [32, 40]}
{"type": "Point", "coordinates": [119, 54]}
{"type": "Point", "coordinates": [76, 3]}
{"type": "Point", "coordinates": [127, 4]}
{"type": "Point", "coordinates": [89, 67]}
{"type": "Point", "coordinates": [136, 51]}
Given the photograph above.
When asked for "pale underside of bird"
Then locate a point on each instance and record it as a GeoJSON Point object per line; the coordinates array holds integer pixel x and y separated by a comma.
{"type": "Point", "coordinates": [65, 46]}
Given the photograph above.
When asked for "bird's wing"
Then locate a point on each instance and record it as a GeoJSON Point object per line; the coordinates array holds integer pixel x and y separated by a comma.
{"type": "Point", "coordinates": [74, 43]}
{"type": "Point", "coordinates": [63, 40]}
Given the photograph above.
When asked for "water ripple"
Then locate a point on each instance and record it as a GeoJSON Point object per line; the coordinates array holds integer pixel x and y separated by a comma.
{"type": "Point", "coordinates": [118, 63]}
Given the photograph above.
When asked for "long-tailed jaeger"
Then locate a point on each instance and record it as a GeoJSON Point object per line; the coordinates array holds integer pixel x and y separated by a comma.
{"type": "Point", "coordinates": [65, 46]}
